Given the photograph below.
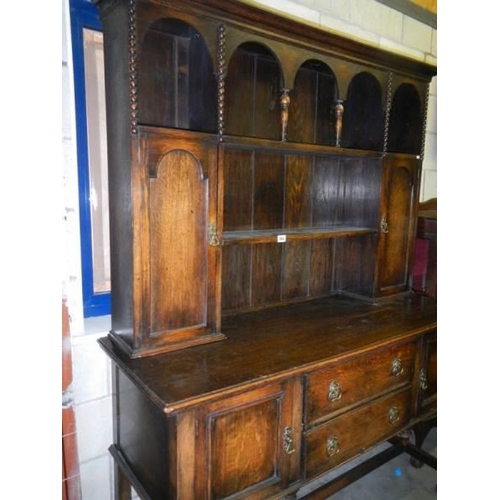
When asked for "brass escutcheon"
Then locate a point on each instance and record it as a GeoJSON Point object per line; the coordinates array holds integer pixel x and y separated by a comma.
{"type": "Point", "coordinates": [213, 241]}
{"type": "Point", "coordinates": [288, 441]}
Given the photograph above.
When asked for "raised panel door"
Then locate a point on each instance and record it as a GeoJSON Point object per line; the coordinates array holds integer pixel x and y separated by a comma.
{"type": "Point", "coordinates": [397, 223]}
{"type": "Point", "coordinates": [252, 445]}
{"type": "Point", "coordinates": [175, 267]}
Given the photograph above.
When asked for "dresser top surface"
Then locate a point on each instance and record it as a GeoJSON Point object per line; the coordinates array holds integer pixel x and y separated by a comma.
{"type": "Point", "coordinates": [273, 343]}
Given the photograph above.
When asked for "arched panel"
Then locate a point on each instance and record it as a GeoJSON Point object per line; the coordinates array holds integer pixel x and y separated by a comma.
{"type": "Point", "coordinates": [253, 88]}
{"type": "Point", "coordinates": [312, 104]}
{"type": "Point", "coordinates": [397, 244]}
{"type": "Point", "coordinates": [406, 121]}
{"type": "Point", "coordinates": [178, 243]}
{"type": "Point", "coordinates": [176, 78]}
{"type": "Point", "coordinates": [363, 121]}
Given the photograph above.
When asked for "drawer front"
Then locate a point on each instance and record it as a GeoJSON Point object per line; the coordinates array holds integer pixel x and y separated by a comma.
{"type": "Point", "coordinates": [346, 384]}
{"type": "Point", "coordinates": [348, 435]}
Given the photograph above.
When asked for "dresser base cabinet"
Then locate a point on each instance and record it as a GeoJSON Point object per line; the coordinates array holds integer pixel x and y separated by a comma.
{"type": "Point", "coordinates": [290, 395]}
{"type": "Point", "coordinates": [239, 445]}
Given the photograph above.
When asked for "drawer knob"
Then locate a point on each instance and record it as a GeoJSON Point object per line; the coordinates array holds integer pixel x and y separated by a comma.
{"type": "Point", "coordinates": [332, 446]}
{"type": "Point", "coordinates": [393, 415]}
{"type": "Point", "coordinates": [288, 441]}
{"type": "Point", "coordinates": [396, 367]}
{"type": "Point", "coordinates": [334, 391]}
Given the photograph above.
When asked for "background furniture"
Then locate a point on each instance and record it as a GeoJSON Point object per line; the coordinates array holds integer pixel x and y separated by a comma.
{"type": "Point", "coordinates": [425, 282]}
{"type": "Point", "coordinates": [425, 263]}
{"type": "Point", "coordinates": [264, 180]}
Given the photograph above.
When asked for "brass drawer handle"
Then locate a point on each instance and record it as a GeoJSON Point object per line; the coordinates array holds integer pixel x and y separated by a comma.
{"type": "Point", "coordinates": [422, 378]}
{"type": "Point", "coordinates": [396, 367]}
{"type": "Point", "coordinates": [332, 446]}
{"type": "Point", "coordinates": [393, 415]}
{"type": "Point", "coordinates": [334, 391]}
{"type": "Point", "coordinates": [288, 441]}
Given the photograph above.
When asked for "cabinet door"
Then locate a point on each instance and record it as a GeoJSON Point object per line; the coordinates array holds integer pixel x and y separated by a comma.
{"type": "Point", "coordinates": [397, 223]}
{"type": "Point", "coordinates": [251, 445]}
{"type": "Point", "coordinates": [175, 219]}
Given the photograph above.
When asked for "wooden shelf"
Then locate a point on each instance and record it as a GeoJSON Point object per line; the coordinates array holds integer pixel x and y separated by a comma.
{"type": "Point", "coordinates": [296, 147]}
{"type": "Point", "coordinates": [292, 234]}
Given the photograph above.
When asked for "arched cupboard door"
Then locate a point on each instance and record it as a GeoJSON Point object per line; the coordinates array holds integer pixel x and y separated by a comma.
{"type": "Point", "coordinates": [174, 243]}
{"type": "Point", "coordinates": [397, 223]}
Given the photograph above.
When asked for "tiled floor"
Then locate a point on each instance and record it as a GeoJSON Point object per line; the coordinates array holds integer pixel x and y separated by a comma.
{"type": "Point", "coordinates": [395, 480]}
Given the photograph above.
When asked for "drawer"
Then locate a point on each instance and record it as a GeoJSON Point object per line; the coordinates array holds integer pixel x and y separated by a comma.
{"type": "Point", "coordinates": [350, 434]}
{"type": "Point", "coordinates": [350, 383]}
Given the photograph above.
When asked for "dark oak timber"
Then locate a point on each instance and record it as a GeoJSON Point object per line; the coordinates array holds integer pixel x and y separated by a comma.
{"type": "Point", "coordinates": [273, 341]}
{"type": "Point", "coordinates": [307, 345]}
{"type": "Point", "coordinates": [271, 235]}
{"type": "Point", "coordinates": [264, 185]}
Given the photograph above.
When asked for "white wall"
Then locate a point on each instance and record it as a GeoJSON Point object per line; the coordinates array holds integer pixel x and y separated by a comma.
{"type": "Point", "coordinates": [365, 20]}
